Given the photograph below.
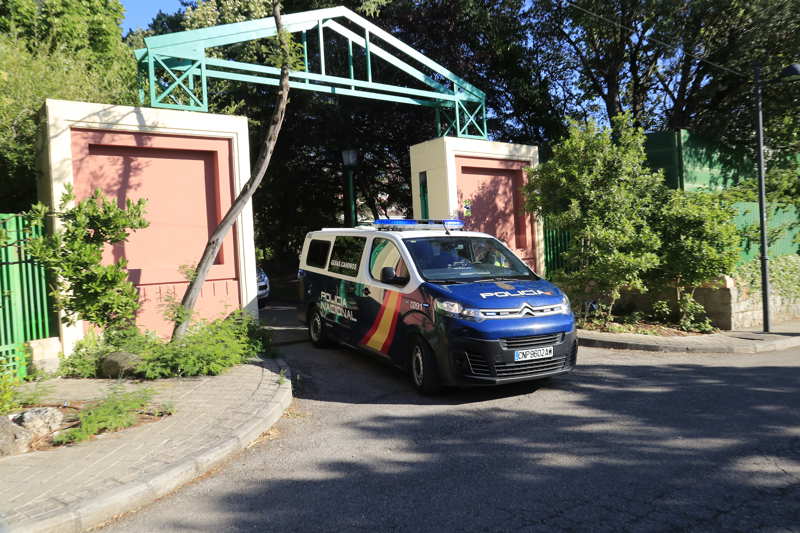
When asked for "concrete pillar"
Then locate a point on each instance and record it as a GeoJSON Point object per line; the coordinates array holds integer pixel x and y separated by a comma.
{"type": "Point", "coordinates": [479, 182]}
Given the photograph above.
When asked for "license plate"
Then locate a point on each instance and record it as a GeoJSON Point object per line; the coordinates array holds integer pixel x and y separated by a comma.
{"type": "Point", "coordinates": [533, 353]}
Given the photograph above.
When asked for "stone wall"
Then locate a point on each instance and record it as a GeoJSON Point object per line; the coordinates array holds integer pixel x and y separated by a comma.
{"type": "Point", "coordinates": [728, 306]}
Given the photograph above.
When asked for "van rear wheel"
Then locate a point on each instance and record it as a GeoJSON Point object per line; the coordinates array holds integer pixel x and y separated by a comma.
{"type": "Point", "coordinates": [317, 329]}
{"type": "Point", "coordinates": [423, 369]}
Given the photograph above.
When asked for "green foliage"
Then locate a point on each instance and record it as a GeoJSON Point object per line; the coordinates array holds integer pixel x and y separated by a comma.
{"type": "Point", "coordinates": [693, 315]}
{"type": "Point", "coordinates": [601, 191]}
{"type": "Point", "coordinates": [372, 8]}
{"type": "Point", "coordinates": [46, 57]}
{"type": "Point", "coordinates": [699, 241]}
{"type": "Point", "coordinates": [85, 359]}
{"type": "Point", "coordinates": [208, 348]}
{"type": "Point", "coordinates": [784, 276]}
{"type": "Point", "coordinates": [8, 393]}
{"type": "Point", "coordinates": [117, 410]}
{"type": "Point", "coordinates": [662, 312]}
{"type": "Point", "coordinates": [82, 287]}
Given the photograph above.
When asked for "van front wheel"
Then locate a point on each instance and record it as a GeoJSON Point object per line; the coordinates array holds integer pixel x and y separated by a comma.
{"type": "Point", "coordinates": [423, 369]}
{"type": "Point", "coordinates": [317, 329]}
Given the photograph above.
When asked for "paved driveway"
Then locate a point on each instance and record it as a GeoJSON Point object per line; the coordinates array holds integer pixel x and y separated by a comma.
{"type": "Point", "coordinates": [629, 441]}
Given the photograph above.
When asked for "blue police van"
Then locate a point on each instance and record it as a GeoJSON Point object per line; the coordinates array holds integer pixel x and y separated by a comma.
{"type": "Point", "coordinates": [451, 307]}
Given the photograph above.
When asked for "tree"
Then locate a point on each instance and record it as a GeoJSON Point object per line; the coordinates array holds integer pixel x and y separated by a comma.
{"type": "Point", "coordinates": [601, 191]}
{"type": "Point", "coordinates": [674, 63]}
{"type": "Point", "coordinates": [285, 55]}
{"type": "Point", "coordinates": [57, 49]}
{"type": "Point", "coordinates": [699, 241]}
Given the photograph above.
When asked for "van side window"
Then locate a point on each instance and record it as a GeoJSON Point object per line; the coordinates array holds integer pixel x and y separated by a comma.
{"type": "Point", "coordinates": [385, 254]}
{"type": "Point", "coordinates": [346, 255]}
{"type": "Point", "coordinates": [318, 253]}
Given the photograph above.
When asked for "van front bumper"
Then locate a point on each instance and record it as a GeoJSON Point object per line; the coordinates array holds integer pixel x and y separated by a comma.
{"type": "Point", "coordinates": [478, 362]}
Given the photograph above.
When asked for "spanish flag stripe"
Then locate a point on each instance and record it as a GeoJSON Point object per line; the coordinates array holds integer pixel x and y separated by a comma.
{"type": "Point", "coordinates": [384, 326]}
{"type": "Point", "coordinates": [377, 321]}
{"type": "Point", "coordinates": [390, 336]}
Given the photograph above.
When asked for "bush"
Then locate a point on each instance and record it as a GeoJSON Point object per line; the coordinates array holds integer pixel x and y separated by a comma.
{"type": "Point", "coordinates": [600, 189]}
{"type": "Point", "coordinates": [8, 392]}
{"type": "Point", "coordinates": [207, 349]}
{"type": "Point", "coordinates": [82, 287]}
{"type": "Point", "coordinates": [85, 359]}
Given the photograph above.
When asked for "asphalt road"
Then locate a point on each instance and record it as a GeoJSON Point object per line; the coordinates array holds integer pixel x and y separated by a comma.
{"type": "Point", "coordinates": [628, 442]}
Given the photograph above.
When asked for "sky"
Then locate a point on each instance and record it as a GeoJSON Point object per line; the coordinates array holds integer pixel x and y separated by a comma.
{"type": "Point", "coordinates": [139, 13]}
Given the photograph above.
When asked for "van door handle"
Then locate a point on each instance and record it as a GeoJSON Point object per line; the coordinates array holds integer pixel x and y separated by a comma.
{"type": "Point", "coordinates": [366, 291]}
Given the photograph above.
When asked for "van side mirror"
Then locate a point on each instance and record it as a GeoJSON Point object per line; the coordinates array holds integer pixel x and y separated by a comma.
{"type": "Point", "coordinates": [388, 275]}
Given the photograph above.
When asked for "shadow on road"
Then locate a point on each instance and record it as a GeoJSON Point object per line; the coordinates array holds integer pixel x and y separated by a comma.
{"type": "Point", "coordinates": [624, 447]}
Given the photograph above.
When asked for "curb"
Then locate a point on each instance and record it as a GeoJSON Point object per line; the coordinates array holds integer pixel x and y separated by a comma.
{"type": "Point", "coordinates": [136, 494]}
{"type": "Point", "coordinates": [745, 346]}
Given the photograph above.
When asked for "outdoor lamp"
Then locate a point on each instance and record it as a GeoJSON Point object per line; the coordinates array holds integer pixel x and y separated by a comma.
{"type": "Point", "coordinates": [790, 73]}
{"type": "Point", "coordinates": [350, 160]}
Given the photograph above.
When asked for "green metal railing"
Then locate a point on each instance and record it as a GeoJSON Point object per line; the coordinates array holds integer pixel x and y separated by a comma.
{"type": "Point", "coordinates": [556, 242]}
{"type": "Point", "coordinates": [175, 68]}
{"type": "Point", "coordinates": [24, 311]}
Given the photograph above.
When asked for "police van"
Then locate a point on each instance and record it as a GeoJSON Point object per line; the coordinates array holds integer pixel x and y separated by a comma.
{"type": "Point", "coordinates": [451, 307]}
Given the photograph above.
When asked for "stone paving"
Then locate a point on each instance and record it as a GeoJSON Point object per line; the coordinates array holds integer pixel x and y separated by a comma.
{"type": "Point", "coordinates": [62, 489]}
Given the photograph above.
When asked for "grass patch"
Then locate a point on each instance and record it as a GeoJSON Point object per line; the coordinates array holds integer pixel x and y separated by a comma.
{"type": "Point", "coordinates": [117, 410]}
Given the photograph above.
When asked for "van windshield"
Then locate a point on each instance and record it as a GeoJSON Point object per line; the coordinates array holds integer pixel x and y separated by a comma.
{"type": "Point", "coordinates": [456, 259]}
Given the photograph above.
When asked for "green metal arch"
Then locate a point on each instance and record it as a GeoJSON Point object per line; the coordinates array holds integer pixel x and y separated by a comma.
{"type": "Point", "coordinates": [177, 69]}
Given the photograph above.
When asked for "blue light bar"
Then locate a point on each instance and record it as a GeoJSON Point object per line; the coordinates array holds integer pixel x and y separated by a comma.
{"type": "Point", "coordinates": [393, 222]}
{"type": "Point", "coordinates": [396, 224]}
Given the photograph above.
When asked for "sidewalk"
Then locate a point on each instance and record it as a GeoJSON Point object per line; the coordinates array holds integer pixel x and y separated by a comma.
{"type": "Point", "coordinates": [783, 336]}
{"type": "Point", "coordinates": [77, 487]}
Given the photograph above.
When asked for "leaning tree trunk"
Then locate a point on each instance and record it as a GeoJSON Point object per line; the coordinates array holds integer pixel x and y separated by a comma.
{"type": "Point", "coordinates": [244, 196]}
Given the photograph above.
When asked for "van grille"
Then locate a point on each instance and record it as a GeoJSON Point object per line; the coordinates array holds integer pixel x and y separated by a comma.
{"type": "Point", "coordinates": [477, 365]}
{"type": "Point", "coordinates": [527, 368]}
{"type": "Point", "coordinates": [530, 341]}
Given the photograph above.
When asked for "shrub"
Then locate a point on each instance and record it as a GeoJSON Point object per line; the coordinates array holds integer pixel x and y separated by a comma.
{"type": "Point", "coordinates": [599, 189]}
{"type": "Point", "coordinates": [85, 359]}
{"type": "Point", "coordinates": [8, 392]}
{"type": "Point", "coordinates": [82, 287]}
{"type": "Point", "coordinates": [699, 243]}
{"type": "Point", "coordinates": [207, 349]}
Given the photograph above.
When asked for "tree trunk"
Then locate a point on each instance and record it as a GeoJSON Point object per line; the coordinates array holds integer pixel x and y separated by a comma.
{"type": "Point", "coordinates": [244, 196]}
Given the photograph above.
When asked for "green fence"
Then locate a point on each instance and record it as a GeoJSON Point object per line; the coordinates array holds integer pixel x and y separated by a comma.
{"type": "Point", "coordinates": [784, 225]}
{"type": "Point", "coordinates": [555, 242]}
{"type": "Point", "coordinates": [783, 228]}
{"type": "Point", "coordinates": [24, 311]}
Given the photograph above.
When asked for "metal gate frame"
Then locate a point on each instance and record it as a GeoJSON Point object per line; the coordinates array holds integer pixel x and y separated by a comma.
{"type": "Point", "coordinates": [24, 308]}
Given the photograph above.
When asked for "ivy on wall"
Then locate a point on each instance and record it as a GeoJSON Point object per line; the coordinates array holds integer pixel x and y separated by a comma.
{"type": "Point", "coordinates": [784, 276]}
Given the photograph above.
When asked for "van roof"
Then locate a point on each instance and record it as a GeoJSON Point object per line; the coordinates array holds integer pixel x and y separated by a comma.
{"type": "Point", "coordinates": [361, 230]}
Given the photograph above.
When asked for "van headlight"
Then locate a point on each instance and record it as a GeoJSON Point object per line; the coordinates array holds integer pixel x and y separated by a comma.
{"type": "Point", "coordinates": [456, 310]}
{"type": "Point", "coordinates": [565, 307]}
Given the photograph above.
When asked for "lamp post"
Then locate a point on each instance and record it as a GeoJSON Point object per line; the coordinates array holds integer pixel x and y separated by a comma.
{"type": "Point", "coordinates": [790, 73]}
{"type": "Point", "coordinates": [350, 160]}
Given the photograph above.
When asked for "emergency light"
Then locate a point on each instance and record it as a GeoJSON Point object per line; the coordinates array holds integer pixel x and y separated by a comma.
{"type": "Point", "coordinates": [418, 224]}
